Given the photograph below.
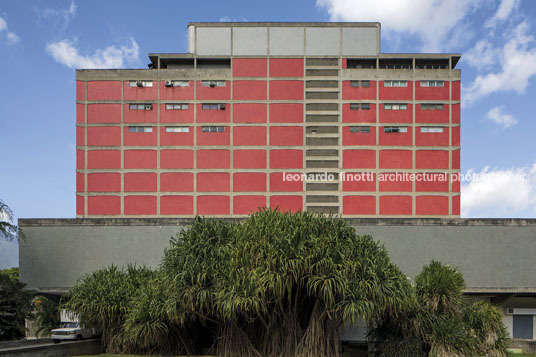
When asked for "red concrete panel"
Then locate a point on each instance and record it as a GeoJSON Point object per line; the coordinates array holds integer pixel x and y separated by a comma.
{"type": "Point", "coordinates": [249, 113]}
{"type": "Point", "coordinates": [286, 182]}
{"type": "Point", "coordinates": [456, 159]}
{"type": "Point", "coordinates": [249, 90]}
{"type": "Point", "coordinates": [213, 205]}
{"type": "Point", "coordinates": [359, 159]}
{"type": "Point", "coordinates": [396, 93]}
{"type": "Point", "coordinates": [80, 113]}
{"type": "Point", "coordinates": [456, 205]}
{"type": "Point", "coordinates": [349, 138]}
{"type": "Point", "coordinates": [432, 116]}
{"type": "Point", "coordinates": [249, 135]}
{"type": "Point", "coordinates": [455, 90]}
{"type": "Point", "coordinates": [213, 115]}
{"type": "Point", "coordinates": [395, 205]}
{"type": "Point", "coordinates": [104, 113]}
{"type": "Point", "coordinates": [249, 159]}
{"type": "Point", "coordinates": [396, 139]}
{"type": "Point", "coordinates": [432, 205]}
{"type": "Point", "coordinates": [80, 136]}
{"type": "Point", "coordinates": [80, 205]}
{"type": "Point", "coordinates": [103, 90]}
{"type": "Point", "coordinates": [104, 182]}
{"type": "Point", "coordinates": [286, 90]}
{"type": "Point", "coordinates": [287, 203]}
{"type": "Point", "coordinates": [213, 138]}
{"type": "Point", "coordinates": [177, 93]}
{"type": "Point", "coordinates": [213, 93]}
{"type": "Point", "coordinates": [176, 115]}
{"type": "Point", "coordinates": [213, 182]}
{"type": "Point", "coordinates": [432, 93]}
{"type": "Point", "coordinates": [140, 159]}
{"type": "Point", "coordinates": [286, 113]}
{"type": "Point", "coordinates": [455, 182]}
{"type": "Point", "coordinates": [213, 159]}
{"type": "Point", "coordinates": [139, 139]}
{"type": "Point", "coordinates": [248, 204]}
{"type": "Point", "coordinates": [359, 205]}
{"type": "Point", "coordinates": [286, 67]}
{"type": "Point", "coordinates": [396, 159]}
{"type": "Point", "coordinates": [140, 93]}
{"type": "Point", "coordinates": [103, 136]}
{"type": "Point", "coordinates": [80, 182]}
{"type": "Point", "coordinates": [455, 113]}
{"type": "Point", "coordinates": [176, 182]}
{"type": "Point", "coordinates": [80, 159]}
{"type": "Point", "coordinates": [432, 182]}
{"type": "Point", "coordinates": [175, 138]}
{"type": "Point", "coordinates": [432, 139]}
{"type": "Point", "coordinates": [140, 205]}
{"type": "Point", "coordinates": [286, 135]}
{"type": "Point", "coordinates": [360, 93]}
{"type": "Point", "coordinates": [140, 182]}
{"type": "Point", "coordinates": [103, 205]}
{"type": "Point", "coordinates": [456, 136]}
{"type": "Point", "coordinates": [358, 115]}
{"type": "Point", "coordinates": [180, 205]}
{"type": "Point", "coordinates": [286, 159]}
{"type": "Point", "coordinates": [249, 182]}
{"type": "Point", "coordinates": [140, 116]}
{"type": "Point", "coordinates": [80, 90]}
{"type": "Point", "coordinates": [103, 159]}
{"type": "Point", "coordinates": [396, 116]}
{"type": "Point", "coordinates": [395, 182]}
{"type": "Point", "coordinates": [344, 63]}
{"type": "Point", "coordinates": [432, 159]}
{"type": "Point", "coordinates": [249, 67]}
{"type": "Point", "coordinates": [176, 159]}
{"type": "Point", "coordinates": [359, 182]}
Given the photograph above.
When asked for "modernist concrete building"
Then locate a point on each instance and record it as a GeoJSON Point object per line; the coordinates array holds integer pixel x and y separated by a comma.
{"type": "Point", "coordinates": [229, 126]}
{"type": "Point", "coordinates": [225, 128]}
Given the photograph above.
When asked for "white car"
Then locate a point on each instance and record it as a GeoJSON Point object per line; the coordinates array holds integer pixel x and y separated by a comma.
{"type": "Point", "coordinates": [71, 331]}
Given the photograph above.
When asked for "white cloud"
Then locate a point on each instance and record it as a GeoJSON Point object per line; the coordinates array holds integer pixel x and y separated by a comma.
{"type": "Point", "coordinates": [500, 193]}
{"type": "Point", "coordinates": [66, 53]}
{"type": "Point", "coordinates": [431, 20]}
{"type": "Point", "coordinates": [64, 16]}
{"type": "Point", "coordinates": [499, 117]}
{"type": "Point", "coordinates": [10, 38]}
{"type": "Point", "coordinates": [503, 12]}
{"type": "Point", "coordinates": [483, 55]}
{"type": "Point", "coordinates": [517, 64]}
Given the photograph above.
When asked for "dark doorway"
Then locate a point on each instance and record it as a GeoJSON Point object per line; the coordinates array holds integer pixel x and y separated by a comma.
{"type": "Point", "coordinates": [523, 327]}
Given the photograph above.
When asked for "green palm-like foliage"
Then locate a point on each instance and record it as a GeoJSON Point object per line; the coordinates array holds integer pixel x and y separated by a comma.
{"type": "Point", "coordinates": [8, 229]}
{"type": "Point", "coordinates": [15, 305]}
{"type": "Point", "coordinates": [46, 314]}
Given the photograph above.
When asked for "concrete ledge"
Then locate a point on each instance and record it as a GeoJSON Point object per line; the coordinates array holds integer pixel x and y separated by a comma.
{"type": "Point", "coordinates": [74, 348]}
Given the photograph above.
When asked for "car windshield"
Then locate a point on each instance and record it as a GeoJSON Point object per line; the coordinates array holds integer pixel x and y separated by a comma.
{"type": "Point", "coordinates": [69, 325]}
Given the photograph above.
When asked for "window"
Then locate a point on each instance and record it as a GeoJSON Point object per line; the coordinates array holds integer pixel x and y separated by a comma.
{"type": "Point", "coordinates": [429, 106]}
{"type": "Point", "coordinates": [177, 129]}
{"type": "Point", "coordinates": [431, 129]}
{"type": "Point", "coordinates": [140, 107]}
{"type": "Point", "coordinates": [213, 129]}
{"type": "Point", "coordinates": [177, 106]}
{"type": "Point", "coordinates": [213, 106]}
{"type": "Point", "coordinates": [363, 106]}
{"type": "Point", "coordinates": [177, 83]}
{"type": "Point", "coordinates": [140, 129]}
{"type": "Point", "coordinates": [362, 129]}
{"type": "Point", "coordinates": [395, 106]}
{"type": "Point", "coordinates": [360, 83]}
{"type": "Point", "coordinates": [395, 129]}
{"type": "Point", "coordinates": [395, 83]}
{"type": "Point", "coordinates": [213, 83]}
{"type": "Point", "coordinates": [141, 84]}
{"type": "Point", "coordinates": [432, 83]}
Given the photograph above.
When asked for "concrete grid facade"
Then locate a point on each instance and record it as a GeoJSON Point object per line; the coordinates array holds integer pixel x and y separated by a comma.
{"type": "Point", "coordinates": [252, 101]}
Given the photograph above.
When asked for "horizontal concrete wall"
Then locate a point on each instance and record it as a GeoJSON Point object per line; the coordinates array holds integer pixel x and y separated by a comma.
{"type": "Point", "coordinates": [494, 255]}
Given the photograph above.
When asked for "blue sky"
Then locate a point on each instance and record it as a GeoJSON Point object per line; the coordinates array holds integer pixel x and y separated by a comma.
{"type": "Point", "coordinates": [41, 42]}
